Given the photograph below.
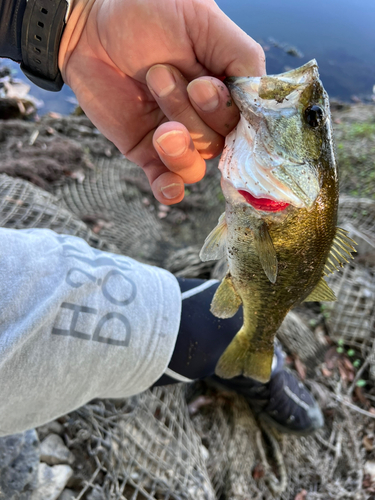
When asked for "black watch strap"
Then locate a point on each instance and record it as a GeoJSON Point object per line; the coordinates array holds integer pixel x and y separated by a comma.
{"type": "Point", "coordinates": [42, 28]}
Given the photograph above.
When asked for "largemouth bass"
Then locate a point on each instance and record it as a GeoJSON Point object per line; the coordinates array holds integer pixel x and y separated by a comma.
{"type": "Point", "coordinates": [278, 232]}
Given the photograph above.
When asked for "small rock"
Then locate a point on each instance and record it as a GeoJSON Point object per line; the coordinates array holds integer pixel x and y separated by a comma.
{"type": "Point", "coordinates": [19, 460]}
{"type": "Point", "coordinates": [96, 494]}
{"type": "Point", "coordinates": [164, 208]}
{"type": "Point", "coordinates": [51, 481]}
{"type": "Point", "coordinates": [53, 451]}
{"type": "Point", "coordinates": [369, 469]}
{"type": "Point", "coordinates": [205, 453]}
{"type": "Point", "coordinates": [52, 427]}
{"type": "Point", "coordinates": [67, 494]}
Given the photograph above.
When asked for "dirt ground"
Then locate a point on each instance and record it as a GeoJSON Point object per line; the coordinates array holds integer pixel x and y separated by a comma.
{"type": "Point", "coordinates": [60, 172]}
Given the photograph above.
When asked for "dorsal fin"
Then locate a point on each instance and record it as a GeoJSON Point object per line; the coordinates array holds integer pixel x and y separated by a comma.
{"type": "Point", "coordinates": [215, 244]}
{"type": "Point", "coordinates": [266, 251]}
{"type": "Point", "coordinates": [341, 251]}
{"type": "Point", "coordinates": [321, 293]}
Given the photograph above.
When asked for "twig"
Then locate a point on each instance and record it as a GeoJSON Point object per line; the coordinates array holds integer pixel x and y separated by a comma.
{"type": "Point", "coordinates": [353, 407]}
{"type": "Point", "coordinates": [338, 448]}
{"type": "Point", "coordinates": [276, 485]}
{"type": "Point", "coordinates": [358, 375]}
{"type": "Point", "coordinates": [262, 453]}
{"type": "Point", "coordinates": [33, 137]}
{"type": "Point", "coordinates": [325, 443]}
{"type": "Point", "coordinates": [352, 430]}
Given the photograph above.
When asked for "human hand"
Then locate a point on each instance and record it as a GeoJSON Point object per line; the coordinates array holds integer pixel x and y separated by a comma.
{"type": "Point", "coordinates": [152, 115]}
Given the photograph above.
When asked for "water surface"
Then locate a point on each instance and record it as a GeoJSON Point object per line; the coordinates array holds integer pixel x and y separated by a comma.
{"type": "Point", "coordinates": [339, 34]}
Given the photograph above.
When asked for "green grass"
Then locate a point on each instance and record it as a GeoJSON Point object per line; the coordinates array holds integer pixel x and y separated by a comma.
{"type": "Point", "coordinates": [364, 129]}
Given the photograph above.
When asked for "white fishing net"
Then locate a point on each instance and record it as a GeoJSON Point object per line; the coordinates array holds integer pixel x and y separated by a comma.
{"type": "Point", "coordinates": [352, 315]}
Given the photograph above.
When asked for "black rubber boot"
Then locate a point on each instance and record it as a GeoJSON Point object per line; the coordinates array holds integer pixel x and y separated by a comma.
{"type": "Point", "coordinates": [284, 402]}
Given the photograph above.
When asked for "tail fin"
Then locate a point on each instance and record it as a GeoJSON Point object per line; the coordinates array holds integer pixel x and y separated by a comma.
{"type": "Point", "coordinates": [240, 358]}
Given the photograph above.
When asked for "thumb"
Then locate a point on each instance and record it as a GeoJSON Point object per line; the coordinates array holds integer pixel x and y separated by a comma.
{"type": "Point", "coordinates": [219, 44]}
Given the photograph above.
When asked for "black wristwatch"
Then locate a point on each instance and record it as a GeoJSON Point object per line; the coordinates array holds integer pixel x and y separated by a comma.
{"type": "Point", "coordinates": [42, 28]}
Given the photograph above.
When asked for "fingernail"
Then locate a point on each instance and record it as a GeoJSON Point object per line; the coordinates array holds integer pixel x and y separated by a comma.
{"type": "Point", "coordinates": [171, 191]}
{"type": "Point", "coordinates": [161, 80]}
{"type": "Point", "coordinates": [204, 94]}
{"type": "Point", "coordinates": [173, 143]}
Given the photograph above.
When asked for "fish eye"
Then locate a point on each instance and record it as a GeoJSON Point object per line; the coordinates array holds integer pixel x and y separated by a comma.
{"type": "Point", "coordinates": [314, 116]}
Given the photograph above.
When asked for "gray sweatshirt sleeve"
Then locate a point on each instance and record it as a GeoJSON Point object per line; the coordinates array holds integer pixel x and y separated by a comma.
{"type": "Point", "coordinates": [76, 324]}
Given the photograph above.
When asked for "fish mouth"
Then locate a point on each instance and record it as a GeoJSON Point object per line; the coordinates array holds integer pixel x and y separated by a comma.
{"type": "Point", "coordinates": [267, 181]}
{"type": "Point", "coordinates": [263, 204]}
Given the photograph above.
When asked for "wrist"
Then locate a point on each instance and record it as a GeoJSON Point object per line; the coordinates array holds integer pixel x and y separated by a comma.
{"type": "Point", "coordinates": [76, 23]}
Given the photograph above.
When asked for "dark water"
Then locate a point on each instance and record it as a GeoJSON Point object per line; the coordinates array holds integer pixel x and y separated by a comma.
{"type": "Point", "coordinates": [340, 34]}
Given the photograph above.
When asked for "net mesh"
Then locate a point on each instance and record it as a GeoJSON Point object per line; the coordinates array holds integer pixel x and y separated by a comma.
{"type": "Point", "coordinates": [23, 206]}
{"type": "Point", "coordinates": [150, 447]}
{"type": "Point", "coordinates": [352, 316]}
{"type": "Point", "coordinates": [200, 442]}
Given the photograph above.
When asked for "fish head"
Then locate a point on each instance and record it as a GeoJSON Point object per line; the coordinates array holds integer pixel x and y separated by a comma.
{"type": "Point", "coordinates": [282, 146]}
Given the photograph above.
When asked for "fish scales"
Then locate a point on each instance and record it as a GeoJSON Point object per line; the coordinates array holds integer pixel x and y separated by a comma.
{"type": "Point", "coordinates": [279, 179]}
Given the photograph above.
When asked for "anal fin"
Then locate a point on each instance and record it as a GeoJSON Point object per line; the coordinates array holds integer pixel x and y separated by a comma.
{"type": "Point", "coordinates": [321, 293]}
{"type": "Point", "coordinates": [266, 251]}
{"type": "Point", "coordinates": [226, 300]}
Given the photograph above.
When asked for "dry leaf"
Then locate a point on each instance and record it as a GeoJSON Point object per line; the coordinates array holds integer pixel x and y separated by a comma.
{"type": "Point", "coordinates": [346, 369]}
{"type": "Point", "coordinates": [358, 391]}
{"type": "Point", "coordinates": [331, 357]}
{"type": "Point", "coordinates": [54, 115]}
{"type": "Point", "coordinates": [368, 442]}
{"type": "Point", "coordinates": [326, 373]}
{"type": "Point", "coordinates": [258, 471]}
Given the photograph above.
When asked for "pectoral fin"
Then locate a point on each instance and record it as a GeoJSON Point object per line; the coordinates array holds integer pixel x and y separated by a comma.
{"type": "Point", "coordinates": [266, 251]}
{"type": "Point", "coordinates": [215, 243]}
{"type": "Point", "coordinates": [321, 293]}
{"type": "Point", "coordinates": [341, 251]}
{"type": "Point", "coordinates": [240, 359]}
{"type": "Point", "coordinates": [226, 300]}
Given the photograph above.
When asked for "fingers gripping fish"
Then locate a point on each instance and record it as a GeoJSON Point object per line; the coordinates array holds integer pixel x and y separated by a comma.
{"type": "Point", "coordinates": [278, 232]}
